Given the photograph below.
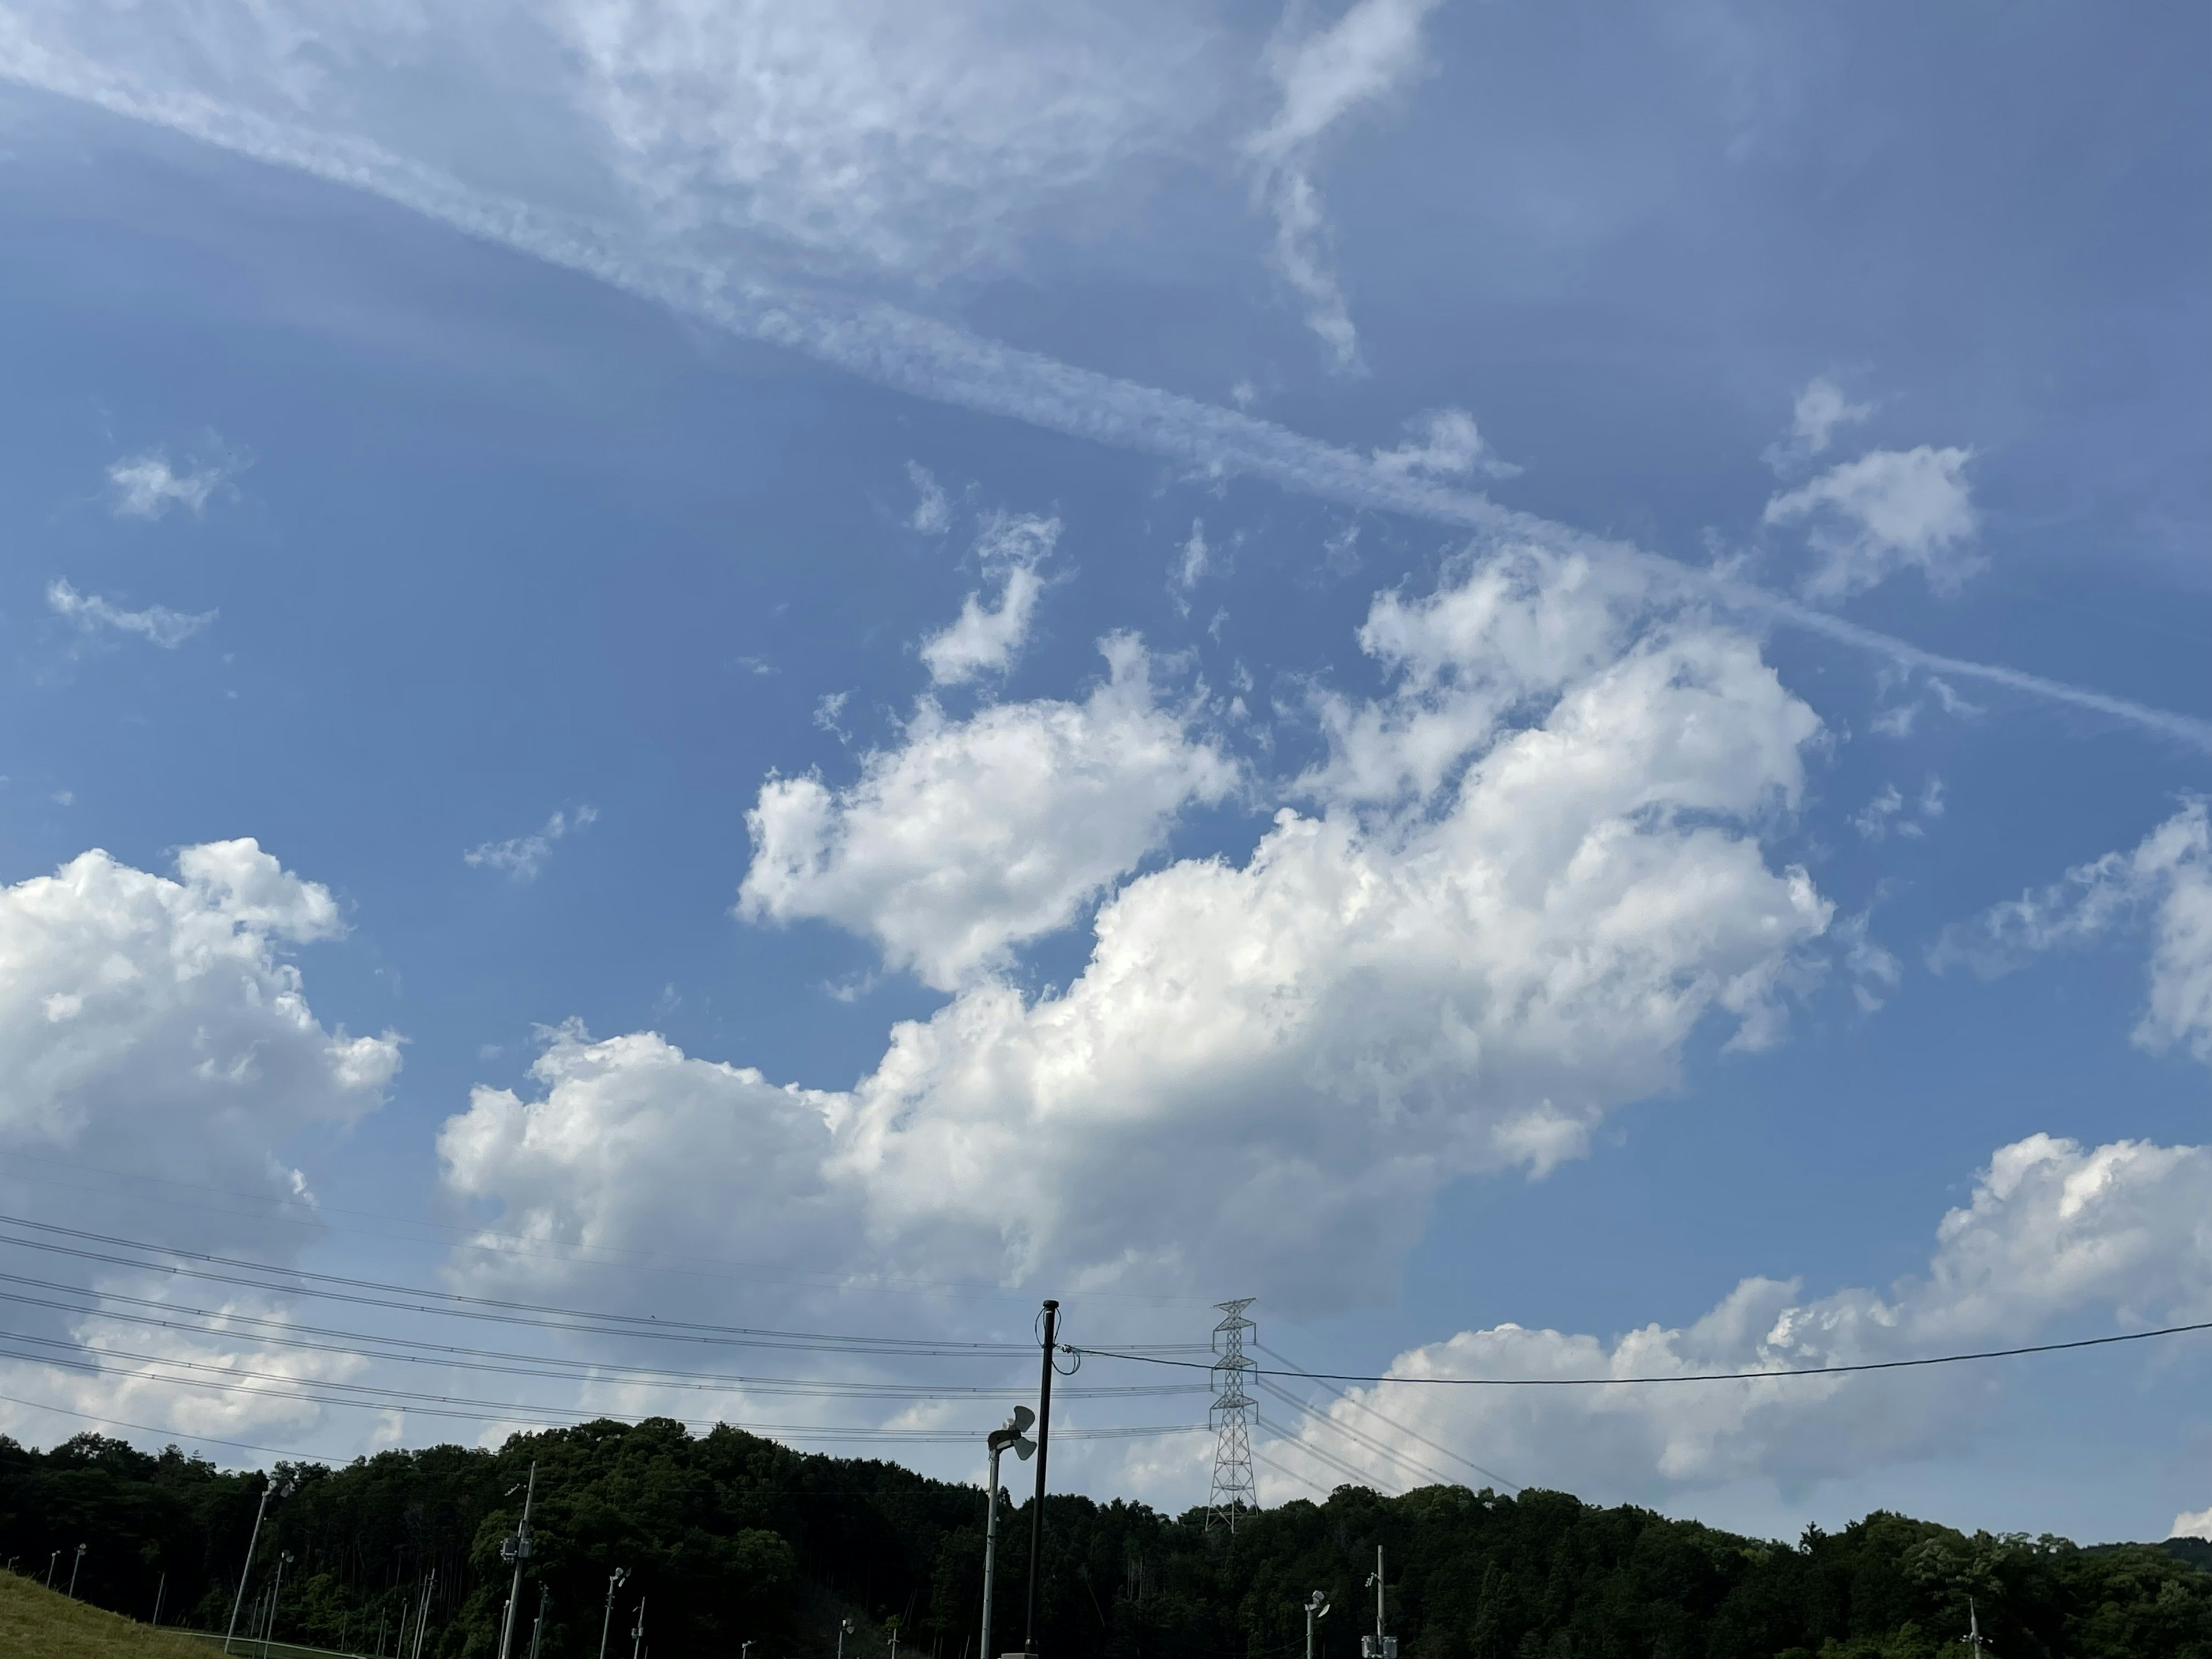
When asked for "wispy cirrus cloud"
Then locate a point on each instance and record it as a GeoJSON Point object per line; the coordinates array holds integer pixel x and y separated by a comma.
{"type": "Point", "coordinates": [150, 486]}
{"type": "Point", "coordinates": [1322, 78]}
{"type": "Point", "coordinates": [259, 111]}
{"type": "Point", "coordinates": [157, 623]}
{"type": "Point", "coordinates": [523, 856]}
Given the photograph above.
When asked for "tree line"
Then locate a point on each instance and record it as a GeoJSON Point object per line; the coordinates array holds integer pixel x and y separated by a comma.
{"type": "Point", "coordinates": [728, 1538]}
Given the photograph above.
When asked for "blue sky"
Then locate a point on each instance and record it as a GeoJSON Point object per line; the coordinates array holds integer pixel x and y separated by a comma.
{"type": "Point", "coordinates": [1529, 679]}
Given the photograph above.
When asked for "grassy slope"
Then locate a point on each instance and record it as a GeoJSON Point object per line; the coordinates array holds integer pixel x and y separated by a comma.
{"type": "Point", "coordinates": [38, 1621]}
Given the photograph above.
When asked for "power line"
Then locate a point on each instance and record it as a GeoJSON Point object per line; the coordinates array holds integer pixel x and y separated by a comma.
{"type": "Point", "coordinates": [1405, 1460]}
{"type": "Point", "coordinates": [287, 1335]}
{"type": "Point", "coordinates": [1685, 1376]}
{"type": "Point", "coordinates": [1389, 1422]}
{"type": "Point", "coordinates": [454, 1305]}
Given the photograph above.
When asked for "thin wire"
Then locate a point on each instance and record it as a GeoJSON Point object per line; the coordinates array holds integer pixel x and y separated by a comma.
{"type": "Point", "coordinates": [1404, 1460]}
{"type": "Point", "coordinates": [455, 1406]}
{"type": "Point", "coordinates": [1411, 1433]}
{"type": "Point", "coordinates": [1686, 1376]}
{"type": "Point", "coordinates": [1343, 1466]}
{"type": "Point", "coordinates": [282, 1333]}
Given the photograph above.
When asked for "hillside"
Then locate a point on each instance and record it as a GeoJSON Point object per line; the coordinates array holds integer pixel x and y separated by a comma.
{"type": "Point", "coordinates": [36, 1620]}
{"type": "Point", "coordinates": [730, 1538]}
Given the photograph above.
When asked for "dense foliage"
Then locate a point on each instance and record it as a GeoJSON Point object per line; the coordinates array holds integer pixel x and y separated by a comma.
{"type": "Point", "coordinates": [729, 1538]}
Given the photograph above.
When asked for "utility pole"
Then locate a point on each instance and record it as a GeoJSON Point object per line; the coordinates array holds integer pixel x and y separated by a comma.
{"type": "Point", "coordinates": [637, 1634]}
{"type": "Point", "coordinates": [1378, 1646]}
{"type": "Point", "coordinates": [1316, 1607]}
{"type": "Point", "coordinates": [159, 1593]}
{"type": "Point", "coordinates": [245, 1572]}
{"type": "Point", "coordinates": [1973, 1636]}
{"type": "Point", "coordinates": [57, 1556]}
{"type": "Point", "coordinates": [517, 1550]}
{"type": "Point", "coordinates": [275, 1590]}
{"type": "Point", "coordinates": [1044, 1447]}
{"type": "Point", "coordinates": [615, 1581]}
{"type": "Point", "coordinates": [422, 1624]}
{"type": "Point", "coordinates": [895, 1624]}
{"type": "Point", "coordinates": [1012, 1435]}
{"type": "Point", "coordinates": [538, 1626]}
{"type": "Point", "coordinates": [1234, 1487]}
{"type": "Point", "coordinates": [76, 1567]}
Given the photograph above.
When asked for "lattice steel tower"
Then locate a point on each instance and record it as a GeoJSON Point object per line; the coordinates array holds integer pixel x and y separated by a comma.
{"type": "Point", "coordinates": [1233, 1485]}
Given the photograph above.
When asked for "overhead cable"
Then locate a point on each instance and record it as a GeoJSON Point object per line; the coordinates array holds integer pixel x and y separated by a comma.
{"type": "Point", "coordinates": [1685, 1376]}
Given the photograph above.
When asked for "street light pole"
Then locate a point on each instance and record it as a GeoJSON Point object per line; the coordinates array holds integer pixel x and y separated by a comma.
{"type": "Point", "coordinates": [76, 1567]}
{"type": "Point", "coordinates": [538, 1627]}
{"type": "Point", "coordinates": [844, 1630]}
{"type": "Point", "coordinates": [245, 1572]}
{"type": "Point", "coordinates": [615, 1581]}
{"type": "Point", "coordinates": [637, 1632]}
{"type": "Point", "coordinates": [1044, 1447]}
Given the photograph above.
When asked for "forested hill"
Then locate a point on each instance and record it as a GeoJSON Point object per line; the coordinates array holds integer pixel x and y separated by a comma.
{"type": "Point", "coordinates": [729, 1538]}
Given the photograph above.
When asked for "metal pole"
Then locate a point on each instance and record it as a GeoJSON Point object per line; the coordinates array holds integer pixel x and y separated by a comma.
{"type": "Point", "coordinates": [158, 1594]}
{"type": "Point", "coordinates": [56, 1557]}
{"type": "Point", "coordinates": [538, 1626]}
{"type": "Point", "coordinates": [1045, 1440]}
{"type": "Point", "coordinates": [275, 1590]}
{"type": "Point", "coordinates": [519, 1546]}
{"type": "Point", "coordinates": [990, 1551]}
{"type": "Point", "coordinates": [76, 1567]}
{"type": "Point", "coordinates": [1378, 1601]}
{"type": "Point", "coordinates": [637, 1635]}
{"type": "Point", "coordinates": [614, 1582]}
{"type": "Point", "coordinates": [422, 1624]}
{"type": "Point", "coordinates": [245, 1572]}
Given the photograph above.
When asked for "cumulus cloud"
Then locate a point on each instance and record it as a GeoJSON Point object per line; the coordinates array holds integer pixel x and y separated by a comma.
{"type": "Point", "coordinates": [523, 856]}
{"type": "Point", "coordinates": [147, 486]}
{"type": "Point", "coordinates": [973, 836]}
{"type": "Point", "coordinates": [158, 624]}
{"type": "Point", "coordinates": [1445, 444]}
{"type": "Point", "coordinates": [986, 638]}
{"type": "Point", "coordinates": [2056, 1238]}
{"type": "Point", "coordinates": [1268, 1066]}
{"type": "Point", "coordinates": [151, 1026]}
{"type": "Point", "coordinates": [1890, 510]}
{"type": "Point", "coordinates": [1322, 78]}
{"type": "Point", "coordinates": [2167, 879]}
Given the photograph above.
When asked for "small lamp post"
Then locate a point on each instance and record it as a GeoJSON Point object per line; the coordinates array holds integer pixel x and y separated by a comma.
{"type": "Point", "coordinates": [615, 1581]}
{"type": "Point", "coordinates": [1316, 1607]}
{"type": "Point", "coordinates": [1014, 1434]}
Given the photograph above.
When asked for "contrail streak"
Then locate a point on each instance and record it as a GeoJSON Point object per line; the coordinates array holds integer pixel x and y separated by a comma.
{"type": "Point", "coordinates": [942, 362]}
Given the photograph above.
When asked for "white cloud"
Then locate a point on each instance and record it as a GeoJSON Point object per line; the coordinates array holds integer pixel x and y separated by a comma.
{"type": "Point", "coordinates": [985, 639]}
{"type": "Point", "coordinates": [1445, 444]}
{"type": "Point", "coordinates": [158, 624]}
{"type": "Point", "coordinates": [908, 137]}
{"type": "Point", "coordinates": [1191, 567]}
{"type": "Point", "coordinates": [148, 1023]}
{"type": "Point", "coordinates": [932, 509]}
{"type": "Point", "coordinates": [2169, 875]}
{"type": "Point", "coordinates": [151, 1029]}
{"type": "Point", "coordinates": [1267, 1067]}
{"type": "Point", "coordinates": [2192, 1524]}
{"type": "Point", "coordinates": [1821, 407]}
{"type": "Point", "coordinates": [524, 856]}
{"type": "Point", "coordinates": [1889, 813]}
{"type": "Point", "coordinates": [1889, 510]}
{"type": "Point", "coordinates": [973, 836]}
{"type": "Point", "coordinates": [1374, 48]}
{"type": "Point", "coordinates": [2056, 1239]}
{"type": "Point", "coordinates": [146, 486]}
